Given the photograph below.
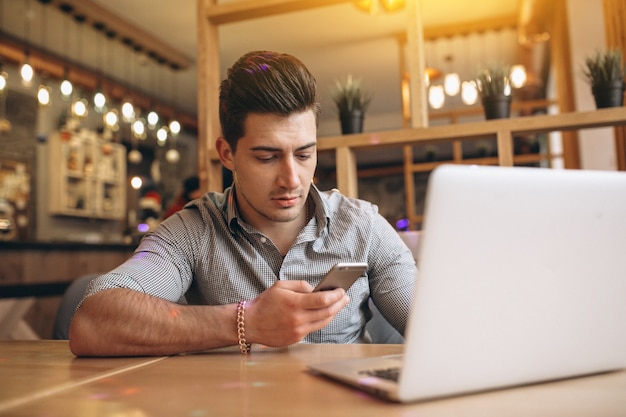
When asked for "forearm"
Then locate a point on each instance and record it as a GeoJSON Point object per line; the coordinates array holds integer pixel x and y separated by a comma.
{"type": "Point", "coordinates": [122, 322]}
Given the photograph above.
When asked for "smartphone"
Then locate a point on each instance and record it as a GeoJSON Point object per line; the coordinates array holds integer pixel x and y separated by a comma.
{"type": "Point", "coordinates": [342, 275]}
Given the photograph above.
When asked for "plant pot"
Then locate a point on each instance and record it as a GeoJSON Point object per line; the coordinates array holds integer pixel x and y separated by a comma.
{"type": "Point", "coordinates": [351, 122]}
{"type": "Point", "coordinates": [497, 107]}
{"type": "Point", "coordinates": [608, 94]}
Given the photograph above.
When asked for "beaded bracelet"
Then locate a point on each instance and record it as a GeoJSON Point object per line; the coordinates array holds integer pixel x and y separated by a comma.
{"type": "Point", "coordinates": [244, 347]}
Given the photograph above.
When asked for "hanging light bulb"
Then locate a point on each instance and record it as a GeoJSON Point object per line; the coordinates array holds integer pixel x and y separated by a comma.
{"type": "Point", "coordinates": [469, 93]}
{"type": "Point", "coordinates": [161, 135]}
{"type": "Point", "coordinates": [43, 92]}
{"type": "Point", "coordinates": [111, 119]}
{"type": "Point", "coordinates": [128, 112]}
{"type": "Point", "coordinates": [43, 95]}
{"type": "Point", "coordinates": [172, 155]}
{"type": "Point", "coordinates": [139, 129]}
{"type": "Point", "coordinates": [451, 81]}
{"type": "Point", "coordinates": [373, 6]}
{"type": "Point", "coordinates": [135, 157]}
{"type": "Point", "coordinates": [99, 101]}
{"type": "Point", "coordinates": [3, 79]}
{"type": "Point", "coordinates": [370, 6]}
{"type": "Point", "coordinates": [392, 5]}
{"type": "Point", "coordinates": [27, 73]}
{"type": "Point", "coordinates": [5, 125]}
{"type": "Point", "coordinates": [26, 70]}
{"type": "Point", "coordinates": [79, 107]}
{"type": "Point", "coordinates": [66, 85]}
{"type": "Point", "coordinates": [66, 88]}
{"type": "Point", "coordinates": [153, 119]}
{"type": "Point", "coordinates": [175, 127]}
{"type": "Point", "coordinates": [518, 76]}
{"type": "Point", "coordinates": [452, 84]}
{"type": "Point", "coordinates": [136, 182]}
{"type": "Point", "coordinates": [436, 96]}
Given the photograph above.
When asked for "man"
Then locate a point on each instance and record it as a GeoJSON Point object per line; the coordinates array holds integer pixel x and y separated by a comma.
{"type": "Point", "coordinates": [247, 260]}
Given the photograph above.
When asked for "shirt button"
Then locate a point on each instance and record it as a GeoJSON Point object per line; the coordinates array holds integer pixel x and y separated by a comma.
{"type": "Point", "coordinates": [263, 240]}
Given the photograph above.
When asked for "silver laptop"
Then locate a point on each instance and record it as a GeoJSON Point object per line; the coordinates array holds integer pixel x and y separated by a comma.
{"type": "Point", "coordinates": [522, 280]}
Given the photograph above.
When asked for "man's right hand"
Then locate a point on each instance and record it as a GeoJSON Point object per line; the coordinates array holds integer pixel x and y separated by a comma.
{"type": "Point", "coordinates": [288, 311]}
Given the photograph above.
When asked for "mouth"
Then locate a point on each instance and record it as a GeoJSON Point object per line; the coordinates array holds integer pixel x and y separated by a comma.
{"type": "Point", "coordinates": [287, 201]}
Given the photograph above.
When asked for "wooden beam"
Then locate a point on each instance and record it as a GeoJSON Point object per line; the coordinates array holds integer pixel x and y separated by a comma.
{"type": "Point", "coordinates": [209, 169]}
{"type": "Point", "coordinates": [253, 9]}
{"type": "Point", "coordinates": [505, 148]}
{"type": "Point", "coordinates": [562, 64]}
{"type": "Point", "coordinates": [347, 179]}
{"type": "Point", "coordinates": [416, 65]}
{"type": "Point", "coordinates": [466, 28]}
{"type": "Point", "coordinates": [409, 181]}
{"type": "Point", "coordinates": [535, 19]}
{"type": "Point", "coordinates": [615, 31]}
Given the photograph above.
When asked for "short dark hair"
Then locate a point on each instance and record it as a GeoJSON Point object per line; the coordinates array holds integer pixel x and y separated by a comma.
{"type": "Point", "coordinates": [264, 82]}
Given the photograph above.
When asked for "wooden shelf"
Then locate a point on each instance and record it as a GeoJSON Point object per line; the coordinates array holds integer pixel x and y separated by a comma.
{"type": "Point", "coordinates": [477, 130]}
{"type": "Point", "coordinates": [87, 176]}
{"type": "Point", "coordinates": [504, 130]}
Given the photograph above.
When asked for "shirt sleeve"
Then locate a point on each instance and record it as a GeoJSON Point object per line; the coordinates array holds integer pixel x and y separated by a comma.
{"type": "Point", "coordinates": [392, 274]}
{"type": "Point", "coordinates": [162, 264]}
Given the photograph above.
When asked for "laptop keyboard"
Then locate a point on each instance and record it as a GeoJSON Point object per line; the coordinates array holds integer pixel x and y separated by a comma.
{"type": "Point", "coordinates": [391, 374]}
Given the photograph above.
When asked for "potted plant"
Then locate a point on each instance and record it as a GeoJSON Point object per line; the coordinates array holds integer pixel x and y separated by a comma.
{"type": "Point", "coordinates": [605, 73]}
{"type": "Point", "coordinates": [494, 88]}
{"type": "Point", "coordinates": [352, 100]}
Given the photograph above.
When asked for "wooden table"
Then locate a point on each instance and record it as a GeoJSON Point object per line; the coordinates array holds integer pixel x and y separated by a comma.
{"type": "Point", "coordinates": [42, 378]}
{"type": "Point", "coordinates": [32, 370]}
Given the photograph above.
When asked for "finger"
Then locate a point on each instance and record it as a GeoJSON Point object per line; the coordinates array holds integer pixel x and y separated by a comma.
{"type": "Point", "coordinates": [322, 299]}
{"type": "Point", "coordinates": [329, 310]}
{"type": "Point", "coordinates": [319, 319]}
{"type": "Point", "coordinates": [294, 285]}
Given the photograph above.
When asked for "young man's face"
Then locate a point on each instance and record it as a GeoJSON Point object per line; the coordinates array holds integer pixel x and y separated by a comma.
{"type": "Point", "coordinates": [273, 166]}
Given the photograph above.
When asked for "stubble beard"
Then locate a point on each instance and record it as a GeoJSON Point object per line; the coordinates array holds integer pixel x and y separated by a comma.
{"type": "Point", "coordinates": [277, 215]}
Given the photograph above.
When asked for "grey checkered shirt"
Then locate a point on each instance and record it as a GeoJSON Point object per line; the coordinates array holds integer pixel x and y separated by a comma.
{"type": "Point", "coordinates": [207, 255]}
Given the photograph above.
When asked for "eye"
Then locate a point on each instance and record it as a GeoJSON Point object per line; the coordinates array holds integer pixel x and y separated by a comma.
{"type": "Point", "coordinates": [266, 158]}
{"type": "Point", "coordinates": [304, 156]}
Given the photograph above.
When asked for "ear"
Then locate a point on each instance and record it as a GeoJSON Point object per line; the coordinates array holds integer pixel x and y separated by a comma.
{"type": "Point", "coordinates": [225, 153]}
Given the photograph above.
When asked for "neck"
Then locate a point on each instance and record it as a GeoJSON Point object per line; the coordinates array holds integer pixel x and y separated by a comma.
{"type": "Point", "coordinates": [283, 235]}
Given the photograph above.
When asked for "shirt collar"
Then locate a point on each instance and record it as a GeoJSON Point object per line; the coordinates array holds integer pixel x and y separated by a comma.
{"type": "Point", "coordinates": [232, 214]}
{"type": "Point", "coordinates": [321, 209]}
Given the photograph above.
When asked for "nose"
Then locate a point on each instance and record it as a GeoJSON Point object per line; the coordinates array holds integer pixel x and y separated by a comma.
{"type": "Point", "coordinates": [288, 176]}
